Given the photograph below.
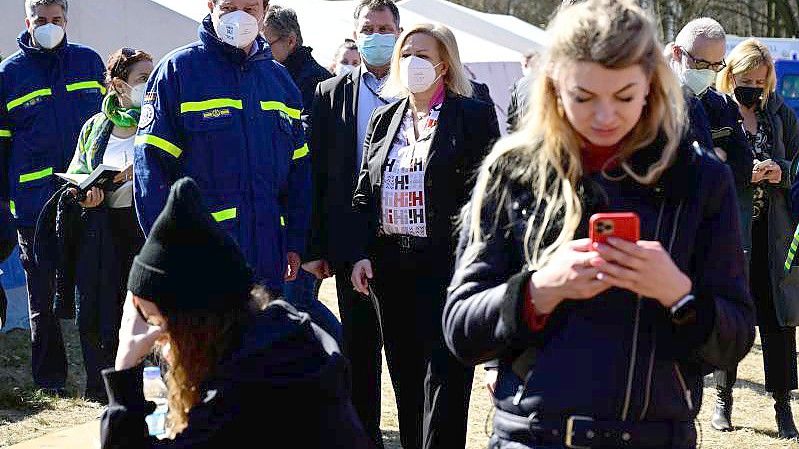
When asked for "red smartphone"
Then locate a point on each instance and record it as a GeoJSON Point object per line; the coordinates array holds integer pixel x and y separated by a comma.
{"type": "Point", "coordinates": [623, 225]}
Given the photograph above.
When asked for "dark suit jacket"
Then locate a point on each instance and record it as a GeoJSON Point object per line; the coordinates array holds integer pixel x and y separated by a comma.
{"type": "Point", "coordinates": [333, 134]}
{"type": "Point", "coordinates": [481, 92]}
{"type": "Point", "coordinates": [466, 130]}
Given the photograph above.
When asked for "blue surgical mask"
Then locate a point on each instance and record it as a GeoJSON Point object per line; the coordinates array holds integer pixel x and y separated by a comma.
{"type": "Point", "coordinates": [376, 49]}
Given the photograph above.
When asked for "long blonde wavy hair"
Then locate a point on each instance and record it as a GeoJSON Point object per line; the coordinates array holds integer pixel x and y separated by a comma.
{"type": "Point", "coordinates": [546, 151]}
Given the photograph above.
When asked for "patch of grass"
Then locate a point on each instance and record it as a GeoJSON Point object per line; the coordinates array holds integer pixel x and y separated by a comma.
{"type": "Point", "coordinates": [20, 399]}
{"type": "Point", "coordinates": [27, 412]}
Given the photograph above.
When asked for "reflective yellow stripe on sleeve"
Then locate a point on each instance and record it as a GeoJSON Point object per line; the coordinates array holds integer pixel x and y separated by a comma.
{"type": "Point", "coordinates": [215, 103]}
{"type": "Point", "coordinates": [301, 152]}
{"type": "Point", "coordinates": [278, 106]}
{"type": "Point", "coordinates": [12, 206]}
{"type": "Point", "coordinates": [28, 177]}
{"type": "Point", "coordinates": [223, 215]}
{"type": "Point", "coordinates": [5, 133]}
{"type": "Point", "coordinates": [158, 142]}
{"type": "Point", "coordinates": [83, 85]}
{"type": "Point", "coordinates": [26, 98]}
{"type": "Point", "coordinates": [283, 221]}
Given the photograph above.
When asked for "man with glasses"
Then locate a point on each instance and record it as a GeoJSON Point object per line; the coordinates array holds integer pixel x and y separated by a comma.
{"type": "Point", "coordinates": [283, 34]}
{"type": "Point", "coordinates": [697, 56]}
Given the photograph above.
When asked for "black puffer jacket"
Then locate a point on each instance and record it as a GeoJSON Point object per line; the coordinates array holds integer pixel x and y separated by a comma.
{"type": "Point", "coordinates": [587, 350]}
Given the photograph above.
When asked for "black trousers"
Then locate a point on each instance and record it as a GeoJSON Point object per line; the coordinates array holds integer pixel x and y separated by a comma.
{"type": "Point", "coordinates": [431, 386]}
{"type": "Point", "coordinates": [48, 356]}
{"type": "Point", "coordinates": [99, 321]}
{"type": "Point", "coordinates": [362, 346]}
{"type": "Point", "coordinates": [779, 343]}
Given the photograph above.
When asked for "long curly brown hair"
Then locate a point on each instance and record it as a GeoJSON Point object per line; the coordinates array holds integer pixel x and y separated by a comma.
{"type": "Point", "coordinates": [197, 341]}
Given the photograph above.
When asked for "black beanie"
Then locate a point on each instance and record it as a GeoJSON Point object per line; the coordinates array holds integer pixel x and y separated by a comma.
{"type": "Point", "coordinates": [188, 262]}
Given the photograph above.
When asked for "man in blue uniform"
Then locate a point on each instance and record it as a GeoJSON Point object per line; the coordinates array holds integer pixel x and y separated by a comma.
{"type": "Point", "coordinates": [48, 89]}
{"type": "Point", "coordinates": [224, 112]}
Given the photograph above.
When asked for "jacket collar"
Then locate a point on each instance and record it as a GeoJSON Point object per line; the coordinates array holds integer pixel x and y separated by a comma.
{"type": "Point", "coordinates": [25, 42]}
{"type": "Point", "coordinates": [441, 131]}
{"type": "Point", "coordinates": [235, 55]}
{"type": "Point", "coordinates": [354, 78]}
{"type": "Point", "coordinates": [775, 101]}
{"type": "Point", "coordinates": [680, 180]}
{"type": "Point", "coordinates": [297, 60]}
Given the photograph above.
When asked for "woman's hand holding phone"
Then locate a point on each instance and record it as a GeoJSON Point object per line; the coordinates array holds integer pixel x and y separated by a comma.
{"type": "Point", "coordinates": [568, 275]}
{"type": "Point", "coordinates": [767, 170]}
{"type": "Point", "coordinates": [643, 267]}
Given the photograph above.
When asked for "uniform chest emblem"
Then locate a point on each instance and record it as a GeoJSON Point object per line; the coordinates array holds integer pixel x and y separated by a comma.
{"type": "Point", "coordinates": [147, 115]}
{"type": "Point", "coordinates": [218, 113]}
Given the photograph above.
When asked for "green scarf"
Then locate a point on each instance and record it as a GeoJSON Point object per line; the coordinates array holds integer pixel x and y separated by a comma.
{"type": "Point", "coordinates": [124, 118]}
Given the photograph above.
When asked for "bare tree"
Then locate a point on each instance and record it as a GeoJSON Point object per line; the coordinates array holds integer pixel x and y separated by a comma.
{"type": "Point", "coordinates": [771, 18]}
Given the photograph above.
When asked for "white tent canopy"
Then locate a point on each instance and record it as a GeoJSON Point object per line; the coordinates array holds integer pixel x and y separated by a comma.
{"type": "Point", "coordinates": [490, 44]}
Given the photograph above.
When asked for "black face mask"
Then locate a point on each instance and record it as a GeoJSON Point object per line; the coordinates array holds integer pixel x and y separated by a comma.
{"type": "Point", "coordinates": [748, 96]}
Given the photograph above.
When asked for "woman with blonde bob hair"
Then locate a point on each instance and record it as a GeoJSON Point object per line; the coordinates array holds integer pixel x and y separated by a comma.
{"type": "Point", "coordinates": [772, 130]}
{"type": "Point", "coordinates": [420, 153]}
{"type": "Point", "coordinates": [455, 77]}
{"type": "Point", "coordinates": [601, 342]}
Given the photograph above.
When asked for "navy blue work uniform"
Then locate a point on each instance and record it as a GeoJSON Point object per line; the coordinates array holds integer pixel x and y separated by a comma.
{"type": "Point", "coordinates": [232, 122]}
{"type": "Point", "coordinates": [45, 98]}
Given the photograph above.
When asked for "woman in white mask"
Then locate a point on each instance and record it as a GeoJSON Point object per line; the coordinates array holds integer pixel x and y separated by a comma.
{"type": "Point", "coordinates": [347, 58]}
{"type": "Point", "coordinates": [109, 218]}
{"type": "Point", "coordinates": [419, 156]}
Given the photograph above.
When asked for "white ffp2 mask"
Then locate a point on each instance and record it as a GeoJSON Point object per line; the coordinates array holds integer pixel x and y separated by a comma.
{"type": "Point", "coordinates": [417, 74]}
{"type": "Point", "coordinates": [49, 36]}
{"type": "Point", "coordinates": [237, 28]}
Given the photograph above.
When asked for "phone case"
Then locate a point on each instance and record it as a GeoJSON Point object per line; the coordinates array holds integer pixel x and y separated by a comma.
{"type": "Point", "coordinates": [623, 225]}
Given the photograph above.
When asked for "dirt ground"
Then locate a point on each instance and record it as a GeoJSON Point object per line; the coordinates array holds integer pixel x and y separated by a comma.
{"type": "Point", "coordinates": [26, 414]}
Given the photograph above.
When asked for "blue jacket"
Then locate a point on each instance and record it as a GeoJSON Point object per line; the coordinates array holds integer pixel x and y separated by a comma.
{"type": "Point", "coordinates": [45, 98]}
{"type": "Point", "coordinates": [231, 122]}
{"type": "Point", "coordinates": [594, 354]}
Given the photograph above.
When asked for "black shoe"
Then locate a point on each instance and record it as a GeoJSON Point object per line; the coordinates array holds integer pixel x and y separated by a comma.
{"type": "Point", "coordinates": [721, 419]}
{"type": "Point", "coordinates": [785, 425]}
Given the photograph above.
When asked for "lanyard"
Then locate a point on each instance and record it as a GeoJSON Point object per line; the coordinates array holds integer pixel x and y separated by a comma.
{"type": "Point", "coordinates": [365, 83]}
{"type": "Point", "coordinates": [430, 123]}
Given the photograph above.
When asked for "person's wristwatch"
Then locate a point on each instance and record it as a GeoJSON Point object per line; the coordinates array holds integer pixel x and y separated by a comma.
{"type": "Point", "coordinates": [684, 310]}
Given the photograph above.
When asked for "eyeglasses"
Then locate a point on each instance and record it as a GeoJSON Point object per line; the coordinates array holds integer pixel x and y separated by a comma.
{"type": "Point", "coordinates": [701, 64]}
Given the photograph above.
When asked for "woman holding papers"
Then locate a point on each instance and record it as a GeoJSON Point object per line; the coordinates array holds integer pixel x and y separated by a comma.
{"type": "Point", "coordinates": [110, 234]}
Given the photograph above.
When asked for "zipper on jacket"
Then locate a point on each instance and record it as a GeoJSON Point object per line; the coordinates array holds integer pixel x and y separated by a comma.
{"type": "Point", "coordinates": [634, 351]}
{"type": "Point", "coordinates": [633, 356]}
{"type": "Point", "coordinates": [686, 392]}
{"type": "Point", "coordinates": [522, 388]}
{"type": "Point", "coordinates": [648, 391]}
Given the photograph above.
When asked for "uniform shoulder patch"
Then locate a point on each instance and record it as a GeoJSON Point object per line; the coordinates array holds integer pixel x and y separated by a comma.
{"type": "Point", "coordinates": [147, 115]}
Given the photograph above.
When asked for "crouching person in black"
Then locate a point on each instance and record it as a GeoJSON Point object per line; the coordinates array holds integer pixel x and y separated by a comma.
{"type": "Point", "coordinates": [240, 368]}
{"type": "Point", "coordinates": [600, 345]}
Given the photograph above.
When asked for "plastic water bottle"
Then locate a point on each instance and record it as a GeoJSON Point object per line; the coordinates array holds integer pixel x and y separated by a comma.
{"type": "Point", "coordinates": [155, 390]}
